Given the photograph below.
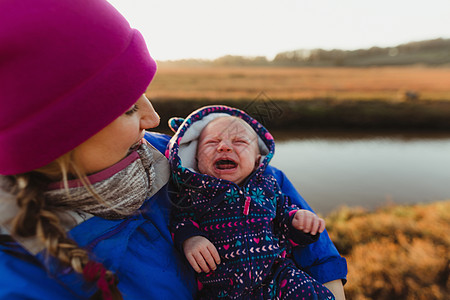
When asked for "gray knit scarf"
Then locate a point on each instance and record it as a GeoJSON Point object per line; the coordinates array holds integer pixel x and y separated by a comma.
{"type": "Point", "coordinates": [119, 190]}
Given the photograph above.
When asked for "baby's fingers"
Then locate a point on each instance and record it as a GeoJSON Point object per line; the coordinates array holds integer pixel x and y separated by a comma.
{"type": "Point", "coordinates": [203, 258]}
{"type": "Point", "coordinates": [196, 261]}
{"type": "Point", "coordinates": [201, 254]}
{"type": "Point", "coordinates": [321, 225]}
{"type": "Point", "coordinates": [307, 221]}
{"type": "Point", "coordinates": [211, 258]}
{"type": "Point", "coordinates": [315, 224]}
{"type": "Point", "coordinates": [213, 251]}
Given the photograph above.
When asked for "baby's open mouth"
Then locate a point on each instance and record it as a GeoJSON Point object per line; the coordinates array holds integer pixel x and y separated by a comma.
{"type": "Point", "coordinates": [225, 164]}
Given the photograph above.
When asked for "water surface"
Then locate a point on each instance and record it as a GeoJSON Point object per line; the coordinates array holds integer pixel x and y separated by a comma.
{"type": "Point", "coordinates": [331, 169]}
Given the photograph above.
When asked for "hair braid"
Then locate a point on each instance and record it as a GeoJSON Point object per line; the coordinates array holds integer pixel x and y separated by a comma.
{"type": "Point", "coordinates": [36, 218]}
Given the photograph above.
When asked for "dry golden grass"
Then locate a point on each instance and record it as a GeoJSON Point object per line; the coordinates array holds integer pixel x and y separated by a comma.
{"type": "Point", "coordinates": [385, 83]}
{"type": "Point", "coordinates": [398, 252]}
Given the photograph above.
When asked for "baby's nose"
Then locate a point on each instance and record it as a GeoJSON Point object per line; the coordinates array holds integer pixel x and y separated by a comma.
{"type": "Point", "coordinates": [224, 147]}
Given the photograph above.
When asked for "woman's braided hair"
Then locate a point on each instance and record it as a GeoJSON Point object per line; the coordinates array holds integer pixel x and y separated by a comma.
{"type": "Point", "coordinates": [37, 218]}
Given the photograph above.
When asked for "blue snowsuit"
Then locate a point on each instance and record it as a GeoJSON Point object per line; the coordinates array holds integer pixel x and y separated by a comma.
{"type": "Point", "coordinates": [250, 225]}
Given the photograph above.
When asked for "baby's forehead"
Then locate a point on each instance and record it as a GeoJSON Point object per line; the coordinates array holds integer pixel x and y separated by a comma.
{"type": "Point", "coordinates": [229, 125]}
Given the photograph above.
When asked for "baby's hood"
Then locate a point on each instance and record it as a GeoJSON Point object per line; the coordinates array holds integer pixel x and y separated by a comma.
{"type": "Point", "coordinates": [182, 147]}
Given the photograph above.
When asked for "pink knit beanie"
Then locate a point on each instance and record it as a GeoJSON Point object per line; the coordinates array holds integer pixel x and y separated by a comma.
{"type": "Point", "coordinates": [67, 70]}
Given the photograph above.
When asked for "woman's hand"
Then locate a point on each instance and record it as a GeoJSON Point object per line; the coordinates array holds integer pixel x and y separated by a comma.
{"type": "Point", "coordinates": [308, 222]}
{"type": "Point", "coordinates": [201, 254]}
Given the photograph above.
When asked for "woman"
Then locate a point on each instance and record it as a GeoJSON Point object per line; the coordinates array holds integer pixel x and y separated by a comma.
{"type": "Point", "coordinates": [83, 198]}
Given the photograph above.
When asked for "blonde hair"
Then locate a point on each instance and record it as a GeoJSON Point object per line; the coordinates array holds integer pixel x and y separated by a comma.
{"type": "Point", "coordinates": [37, 218]}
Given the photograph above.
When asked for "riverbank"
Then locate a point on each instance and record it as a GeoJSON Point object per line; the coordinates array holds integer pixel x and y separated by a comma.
{"type": "Point", "coordinates": [403, 98]}
{"type": "Point", "coordinates": [396, 252]}
{"type": "Point", "coordinates": [324, 113]}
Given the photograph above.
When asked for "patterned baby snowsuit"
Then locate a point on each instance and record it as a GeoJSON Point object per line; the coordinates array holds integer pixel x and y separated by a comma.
{"type": "Point", "coordinates": [250, 225]}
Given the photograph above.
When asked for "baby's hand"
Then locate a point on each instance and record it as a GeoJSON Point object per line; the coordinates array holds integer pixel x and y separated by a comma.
{"type": "Point", "coordinates": [308, 222]}
{"type": "Point", "coordinates": [201, 254]}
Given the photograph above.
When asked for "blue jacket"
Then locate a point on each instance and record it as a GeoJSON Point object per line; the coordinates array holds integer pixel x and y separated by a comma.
{"type": "Point", "coordinates": [250, 224]}
{"type": "Point", "coordinates": [140, 250]}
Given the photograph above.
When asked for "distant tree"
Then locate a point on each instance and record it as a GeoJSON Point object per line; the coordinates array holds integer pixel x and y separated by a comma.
{"type": "Point", "coordinates": [233, 60]}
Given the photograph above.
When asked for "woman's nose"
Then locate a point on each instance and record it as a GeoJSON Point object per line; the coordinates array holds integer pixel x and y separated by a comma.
{"type": "Point", "coordinates": [149, 117]}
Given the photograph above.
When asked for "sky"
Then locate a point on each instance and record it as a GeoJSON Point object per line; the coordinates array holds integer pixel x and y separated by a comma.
{"type": "Point", "coordinates": [208, 29]}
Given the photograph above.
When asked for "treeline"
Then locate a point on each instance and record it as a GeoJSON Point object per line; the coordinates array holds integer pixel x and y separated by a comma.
{"type": "Point", "coordinates": [434, 52]}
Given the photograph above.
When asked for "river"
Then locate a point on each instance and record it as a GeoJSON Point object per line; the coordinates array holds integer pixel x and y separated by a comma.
{"type": "Point", "coordinates": [333, 169]}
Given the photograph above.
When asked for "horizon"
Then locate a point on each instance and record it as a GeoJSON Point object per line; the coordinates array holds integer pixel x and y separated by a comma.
{"type": "Point", "coordinates": [203, 29]}
{"type": "Point", "coordinates": [272, 58]}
